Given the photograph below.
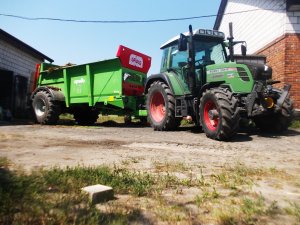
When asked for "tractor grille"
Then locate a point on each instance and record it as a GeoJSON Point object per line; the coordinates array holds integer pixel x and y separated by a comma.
{"type": "Point", "coordinates": [243, 74]}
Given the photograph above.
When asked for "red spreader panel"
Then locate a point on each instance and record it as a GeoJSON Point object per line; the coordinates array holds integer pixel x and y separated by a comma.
{"type": "Point", "coordinates": [36, 76]}
{"type": "Point", "coordinates": [131, 89]}
{"type": "Point", "coordinates": [134, 60]}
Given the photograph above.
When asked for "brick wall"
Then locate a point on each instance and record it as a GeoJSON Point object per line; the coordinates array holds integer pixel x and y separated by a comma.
{"type": "Point", "coordinates": [292, 65]}
{"type": "Point", "coordinates": [283, 55]}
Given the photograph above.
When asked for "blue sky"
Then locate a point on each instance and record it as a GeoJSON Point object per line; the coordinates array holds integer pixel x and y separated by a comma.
{"type": "Point", "coordinates": [87, 42]}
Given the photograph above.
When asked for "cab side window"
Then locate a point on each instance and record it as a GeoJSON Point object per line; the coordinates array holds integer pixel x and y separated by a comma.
{"type": "Point", "coordinates": [178, 58]}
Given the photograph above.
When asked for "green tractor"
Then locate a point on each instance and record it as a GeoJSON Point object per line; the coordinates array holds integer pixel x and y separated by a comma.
{"type": "Point", "coordinates": [199, 80]}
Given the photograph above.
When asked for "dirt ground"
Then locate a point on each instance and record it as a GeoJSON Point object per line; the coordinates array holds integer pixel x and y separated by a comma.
{"type": "Point", "coordinates": [142, 149]}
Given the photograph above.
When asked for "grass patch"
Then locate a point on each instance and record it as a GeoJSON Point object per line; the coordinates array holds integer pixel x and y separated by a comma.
{"type": "Point", "coordinates": [170, 167]}
{"type": "Point", "coordinates": [122, 180]}
{"type": "Point", "coordinates": [242, 175]}
{"type": "Point", "coordinates": [247, 210]}
{"type": "Point", "coordinates": [54, 196]}
{"type": "Point", "coordinates": [294, 210]}
{"type": "Point", "coordinates": [295, 124]}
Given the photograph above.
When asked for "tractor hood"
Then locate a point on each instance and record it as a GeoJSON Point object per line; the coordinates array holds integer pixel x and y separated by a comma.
{"type": "Point", "coordinates": [259, 71]}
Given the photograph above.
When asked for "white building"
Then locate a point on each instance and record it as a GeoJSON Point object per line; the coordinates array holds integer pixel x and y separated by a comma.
{"type": "Point", "coordinates": [270, 28]}
{"type": "Point", "coordinates": [17, 65]}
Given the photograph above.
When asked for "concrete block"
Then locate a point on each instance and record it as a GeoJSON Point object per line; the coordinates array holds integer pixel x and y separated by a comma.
{"type": "Point", "coordinates": [99, 193]}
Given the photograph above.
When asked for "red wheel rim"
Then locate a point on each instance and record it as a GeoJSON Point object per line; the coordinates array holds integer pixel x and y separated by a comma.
{"type": "Point", "coordinates": [157, 107]}
{"type": "Point", "coordinates": [211, 124]}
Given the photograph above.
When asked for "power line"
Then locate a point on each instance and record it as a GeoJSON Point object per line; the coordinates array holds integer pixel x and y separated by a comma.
{"type": "Point", "coordinates": [129, 21]}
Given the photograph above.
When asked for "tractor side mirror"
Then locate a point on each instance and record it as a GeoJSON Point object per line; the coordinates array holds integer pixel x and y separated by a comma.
{"type": "Point", "coordinates": [182, 43]}
{"type": "Point", "coordinates": [244, 49]}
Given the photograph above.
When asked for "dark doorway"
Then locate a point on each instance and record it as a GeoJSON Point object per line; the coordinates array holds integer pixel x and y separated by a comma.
{"type": "Point", "coordinates": [20, 97]}
{"type": "Point", "coordinates": [6, 89]}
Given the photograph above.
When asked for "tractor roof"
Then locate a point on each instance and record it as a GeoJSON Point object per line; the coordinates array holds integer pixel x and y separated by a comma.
{"type": "Point", "coordinates": [197, 32]}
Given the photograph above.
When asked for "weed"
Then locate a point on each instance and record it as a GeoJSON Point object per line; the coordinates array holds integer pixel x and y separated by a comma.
{"type": "Point", "coordinates": [233, 177]}
{"type": "Point", "coordinates": [199, 200]}
{"type": "Point", "coordinates": [173, 214]}
{"type": "Point", "coordinates": [295, 124]}
{"type": "Point", "coordinates": [215, 194]}
{"type": "Point", "coordinates": [245, 211]}
{"type": "Point", "coordinates": [185, 123]}
{"type": "Point", "coordinates": [252, 208]}
{"type": "Point", "coordinates": [206, 195]}
{"type": "Point", "coordinates": [226, 217]}
{"type": "Point", "coordinates": [294, 210]}
{"type": "Point", "coordinates": [167, 181]}
{"type": "Point", "coordinates": [202, 182]}
{"type": "Point", "coordinates": [170, 167]}
{"type": "Point", "coordinates": [66, 116]}
{"type": "Point", "coordinates": [273, 209]}
{"type": "Point", "coordinates": [3, 163]}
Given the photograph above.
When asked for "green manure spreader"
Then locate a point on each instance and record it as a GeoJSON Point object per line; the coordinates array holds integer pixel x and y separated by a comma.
{"type": "Point", "coordinates": [114, 87]}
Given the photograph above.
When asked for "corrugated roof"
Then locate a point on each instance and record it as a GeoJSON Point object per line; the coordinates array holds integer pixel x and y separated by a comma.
{"type": "Point", "coordinates": [220, 14]}
{"type": "Point", "coordinates": [23, 46]}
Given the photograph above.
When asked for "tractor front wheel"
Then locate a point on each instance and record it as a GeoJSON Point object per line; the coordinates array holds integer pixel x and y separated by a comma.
{"type": "Point", "coordinates": [161, 107]}
{"type": "Point", "coordinates": [46, 110]}
{"type": "Point", "coordinates": [219, 114]}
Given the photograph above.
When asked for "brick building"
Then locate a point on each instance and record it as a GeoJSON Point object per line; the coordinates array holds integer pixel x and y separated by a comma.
{"type": "Point", "coordinates": [17, 66]}
{"type": "Point", "coordinates": [270, 28]}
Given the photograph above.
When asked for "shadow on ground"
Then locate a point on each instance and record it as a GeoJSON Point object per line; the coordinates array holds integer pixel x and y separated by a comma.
{"type": "Point", "coordinates": [245, 133]}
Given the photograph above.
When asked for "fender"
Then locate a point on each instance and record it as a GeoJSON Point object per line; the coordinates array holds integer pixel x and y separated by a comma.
{"type": "Point", "coordinates": [162, 77]}
{"type": "Point", "coordinates": [55, 93]}
{"type": "Point", "coordinates": [209, 85]}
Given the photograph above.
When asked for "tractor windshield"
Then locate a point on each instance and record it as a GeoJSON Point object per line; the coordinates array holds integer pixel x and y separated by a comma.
{"type": "Point", "coordinates": [209, 52]}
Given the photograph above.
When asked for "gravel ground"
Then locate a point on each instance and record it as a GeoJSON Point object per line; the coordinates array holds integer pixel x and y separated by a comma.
{"type": "Point", "coordinates": [142, 149]}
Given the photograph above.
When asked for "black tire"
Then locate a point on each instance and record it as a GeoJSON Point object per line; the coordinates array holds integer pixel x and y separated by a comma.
{"type": "Point", "coordinates": [85, 116]}
{"type": "Point", "coordinates": [219, 114]}
{"type": "Point", "coordinates": [46, 110]}
{"type": "Point", "coordinates": [161, 107]}
{"type": "Point", "coordinates": [279, 122]}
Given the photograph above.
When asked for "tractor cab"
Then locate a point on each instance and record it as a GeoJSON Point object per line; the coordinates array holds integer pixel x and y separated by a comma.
{"type": "Point", "coordinates": [208, 49]}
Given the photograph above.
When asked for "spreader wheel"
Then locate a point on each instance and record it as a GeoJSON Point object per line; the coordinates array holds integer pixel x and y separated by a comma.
{"type": "Point", "coordinates": [45, 108]}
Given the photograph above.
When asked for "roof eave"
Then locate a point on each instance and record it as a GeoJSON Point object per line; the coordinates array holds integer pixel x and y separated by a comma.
{"type": "Point", "coordinates": [16, 42]}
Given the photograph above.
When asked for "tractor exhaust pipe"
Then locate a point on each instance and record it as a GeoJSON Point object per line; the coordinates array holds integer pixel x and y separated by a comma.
{"type": "Point", "coordinates": [191, 62]}
{"type": "Point", "coordinates": [231, 43]}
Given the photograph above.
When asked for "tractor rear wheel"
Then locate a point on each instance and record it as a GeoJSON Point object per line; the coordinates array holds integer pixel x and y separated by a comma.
{"type": "Point", "coordinates": [85, 116]}
{"type": "Point", "coordinates": [161, 107]}
{"type": "Point", "coordinates": [45, 108]}
{"type": "Point", "coordinates": [219, 115]}
{"type": "Point", "coordinates": [277, 122]}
